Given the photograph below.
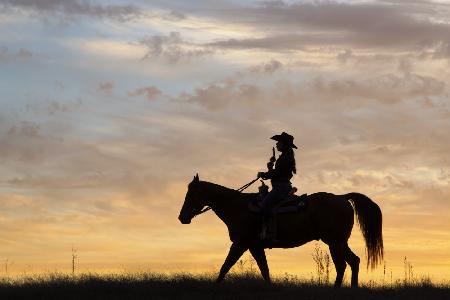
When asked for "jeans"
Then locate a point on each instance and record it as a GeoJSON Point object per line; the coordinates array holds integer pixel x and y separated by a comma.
{"type": "Point", "coordinates": [279, 191]}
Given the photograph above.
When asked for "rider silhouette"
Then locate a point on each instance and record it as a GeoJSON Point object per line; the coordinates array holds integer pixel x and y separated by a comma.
{"type": "Point", "coordinates": [279, 176]}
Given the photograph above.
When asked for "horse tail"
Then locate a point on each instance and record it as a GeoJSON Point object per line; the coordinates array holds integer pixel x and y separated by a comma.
{"type": "Point", "coordinates": [369, 218]}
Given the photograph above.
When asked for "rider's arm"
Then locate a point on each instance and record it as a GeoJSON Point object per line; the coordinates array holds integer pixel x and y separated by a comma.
{"type": "Point", "coordinates": [282, 167]}
{"type": "Point", "coordinates": [265, 175]}
{"type": "Point", "coordinates": [272, 172]}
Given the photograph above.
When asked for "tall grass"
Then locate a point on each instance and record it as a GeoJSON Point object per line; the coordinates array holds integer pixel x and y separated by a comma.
{"type": "Point", "coordinates": [243, 282]}
{"type": "Point", "coordinates": [238, 285]}
{"type": "Point", "coordinates": [322, 260]}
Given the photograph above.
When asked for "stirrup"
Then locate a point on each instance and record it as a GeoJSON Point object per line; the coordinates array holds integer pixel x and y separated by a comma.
{"type": "Point", "coordinates": [269, 238]}
{"type": "Point", "coordinates": [264, 232]}
{"type": "Point", "coordinates": [268, 234]}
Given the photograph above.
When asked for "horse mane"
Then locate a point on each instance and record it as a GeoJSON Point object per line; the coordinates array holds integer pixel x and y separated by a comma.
{"type": "Point", "coordinates": [225, 190]}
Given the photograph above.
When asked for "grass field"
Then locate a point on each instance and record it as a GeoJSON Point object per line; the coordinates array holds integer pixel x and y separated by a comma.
{"type": "Point", "coordinates": [185, 286]}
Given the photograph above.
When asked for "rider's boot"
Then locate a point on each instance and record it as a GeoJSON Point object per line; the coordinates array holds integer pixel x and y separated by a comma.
{"type": "Point", "coordinates": [264, 228]}
{"type": "Point", "coordinates": [268, 230]}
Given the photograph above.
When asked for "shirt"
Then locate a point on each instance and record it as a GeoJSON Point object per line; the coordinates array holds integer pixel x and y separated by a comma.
{"type": "Point", "coordinates": [283, 171]}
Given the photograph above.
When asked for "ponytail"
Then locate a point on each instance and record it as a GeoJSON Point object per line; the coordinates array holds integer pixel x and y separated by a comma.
{"type": "Point", "coordinates": [290, 153]}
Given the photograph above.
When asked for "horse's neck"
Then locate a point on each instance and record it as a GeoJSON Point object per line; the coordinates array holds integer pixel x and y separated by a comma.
{"type": "Point", "coordinates": [225, 202]}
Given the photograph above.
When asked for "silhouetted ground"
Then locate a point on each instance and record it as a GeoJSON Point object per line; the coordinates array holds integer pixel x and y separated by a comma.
{"type": "Point", "coordinates": [153, 286]}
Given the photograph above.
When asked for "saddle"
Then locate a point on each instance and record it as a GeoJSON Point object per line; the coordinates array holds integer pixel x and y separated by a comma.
{"type": "Point", "coordinates": [292, 202]}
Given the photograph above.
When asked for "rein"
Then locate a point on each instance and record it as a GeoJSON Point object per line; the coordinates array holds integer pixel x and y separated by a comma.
{"type": "Point", "coordinates": [202, 211]}
{"type": "Point", "coordinates": [247, 185]}
{"type": "Point", "coordinates": [242, 188]}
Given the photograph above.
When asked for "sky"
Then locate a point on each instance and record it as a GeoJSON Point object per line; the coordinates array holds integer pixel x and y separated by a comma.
{"type": "Point", "coordinates": [109, 108]}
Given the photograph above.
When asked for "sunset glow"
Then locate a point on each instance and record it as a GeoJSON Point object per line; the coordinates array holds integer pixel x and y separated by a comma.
{"type": "Point", "coordinates": [109, 108]}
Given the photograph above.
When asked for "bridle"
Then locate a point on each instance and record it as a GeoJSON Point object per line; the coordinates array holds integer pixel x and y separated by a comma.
{"type": "Point", "coordinates": [241, 189]}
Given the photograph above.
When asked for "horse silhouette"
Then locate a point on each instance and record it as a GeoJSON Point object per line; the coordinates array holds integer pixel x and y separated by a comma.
{"type": "Point", "coordinates": [328, 217]}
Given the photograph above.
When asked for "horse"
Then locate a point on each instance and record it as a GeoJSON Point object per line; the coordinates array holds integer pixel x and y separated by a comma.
{"type": "Point", "coordinates": [327, 217]}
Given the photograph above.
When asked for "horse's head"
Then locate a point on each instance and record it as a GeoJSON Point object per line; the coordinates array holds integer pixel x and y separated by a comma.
{"type": "Point", "coordinates": [193, 203]}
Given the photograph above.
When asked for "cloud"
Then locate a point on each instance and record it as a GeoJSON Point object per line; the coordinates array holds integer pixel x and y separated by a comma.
{"type": "Point", "coordinates": [106, 87]}
{"type": "Point", "coordinates": [150, 92]}
{"type": "Point", "coordinates": [175, 15]}
{"type": "Point", "coordinates": [52, 107]}
{"type": "Point", "coordinates": [218, 96]}
{"type": "Point", "coordinates": [318, 23]}
{"type": "Point", "coordinates": [270, 67]}
{"type": "Point", "coordinates": [172, 48]}
{"type": "Point", "coordinates": [20, 55]}
{"type": "Point", "coordinates": [65, 154]}
{"type": "Point", "coordinates": [442, 50]}
{"type": "Point", "coordinates": [344, 56]}
{"type": "Point", "coordinates": [36, 159]}
{"type": "Point", "coordinates": [240, 90]}
{"type": "Point", "coordinates": [76, 8]}
{"type": "Point", "coordinates": [387, 88]}
{"type": "Point", "coordinates": [105, 48]}
{"type": "Point", "coordinates": [22, 142]}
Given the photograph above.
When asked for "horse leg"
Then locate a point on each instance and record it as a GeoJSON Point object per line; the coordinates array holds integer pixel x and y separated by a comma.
{"type": "Point", "coordinates": [337, 254]}
{"type": "Point", "coordinates": [260, 256]}
{"type": "Point", "coordinates": [236, 251]}
{"type": "Point", "coordinates": [353, 260]}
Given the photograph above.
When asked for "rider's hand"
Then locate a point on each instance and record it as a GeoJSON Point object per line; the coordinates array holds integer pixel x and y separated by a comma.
{"type": "Point", "coordinates": [260, 174]}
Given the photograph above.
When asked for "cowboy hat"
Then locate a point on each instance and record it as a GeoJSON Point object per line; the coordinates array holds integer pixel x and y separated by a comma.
{"type": "Point", "coordinates": [285, 138]}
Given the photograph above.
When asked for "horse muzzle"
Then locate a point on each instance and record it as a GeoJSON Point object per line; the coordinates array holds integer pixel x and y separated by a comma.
{"type": "Point", "coordinates": [184, 219]}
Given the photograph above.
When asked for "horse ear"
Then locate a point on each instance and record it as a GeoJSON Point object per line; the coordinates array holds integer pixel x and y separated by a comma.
{"type": "Point", "coordinates": [196, 179]}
